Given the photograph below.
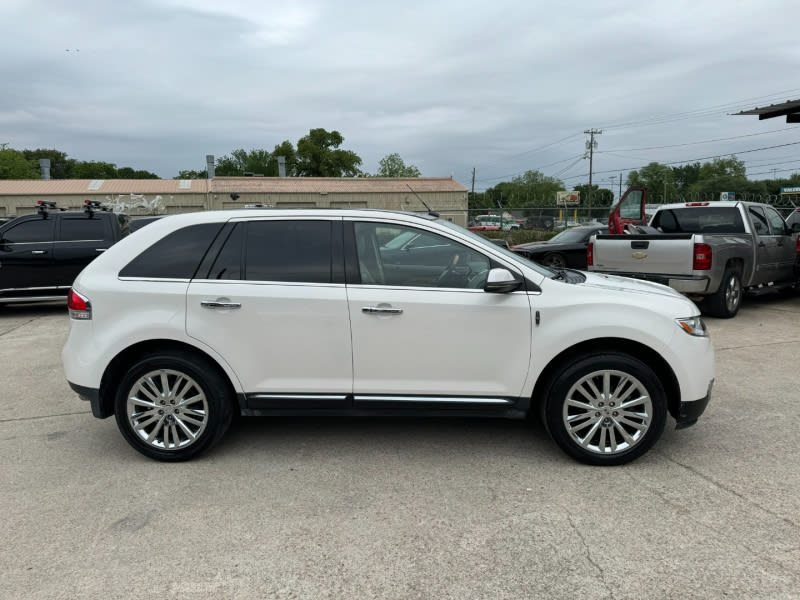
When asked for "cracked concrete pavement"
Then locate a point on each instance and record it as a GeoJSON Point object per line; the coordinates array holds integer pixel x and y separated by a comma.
{"type": "Point", "coordinates": [341, 508]}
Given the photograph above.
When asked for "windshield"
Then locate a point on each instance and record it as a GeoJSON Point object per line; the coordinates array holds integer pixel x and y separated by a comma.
{"type": "Point", "coordinates": [482, 240]}
{"type": "Point", "coordinates": [568, 236]}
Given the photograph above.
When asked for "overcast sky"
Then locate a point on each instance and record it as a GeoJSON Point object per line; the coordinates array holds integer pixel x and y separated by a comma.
{"type": "Point", "coordinates": [448, 85]}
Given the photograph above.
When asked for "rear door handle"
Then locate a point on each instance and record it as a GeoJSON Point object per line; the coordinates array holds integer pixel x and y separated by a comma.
{"type": "Point", "coordinates": [381, 309]}
{"type": "Point", "coordinates": [38, 251]}
{"type": "Point", "coordinates": [216, 304]}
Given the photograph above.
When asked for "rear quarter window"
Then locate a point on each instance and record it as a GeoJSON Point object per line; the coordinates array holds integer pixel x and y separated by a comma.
{"type": "Point", "coordinates": [175, 256]}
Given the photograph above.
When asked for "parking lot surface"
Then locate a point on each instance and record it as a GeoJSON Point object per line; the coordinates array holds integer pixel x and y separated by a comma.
{"type": "Point", "coordinates": [413, 508]}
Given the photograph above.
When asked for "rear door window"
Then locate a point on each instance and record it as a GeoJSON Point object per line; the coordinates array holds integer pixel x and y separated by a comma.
{"type": "Point", "coordinates": [82, 229]}
{"type": "Point", "coordinates": [288, 251]}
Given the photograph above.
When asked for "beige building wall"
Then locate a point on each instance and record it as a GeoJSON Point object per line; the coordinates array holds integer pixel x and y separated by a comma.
{"type": "Point", "coordinates": [451, 204]}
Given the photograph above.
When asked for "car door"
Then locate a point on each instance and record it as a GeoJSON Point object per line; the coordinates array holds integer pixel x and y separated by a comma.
{"type": "Point", "coordinates": [79, 240]}
{"type": "Point", "coordinates": [785, 245]}
{"type": "Point", "coordinates": [26, 257]}
{"type": "Point", "coordinates": [435, 340]}
{"type": "Point", "coordinates": [273, 304]}
{"type": "Point", "coordinates": [766, 267]}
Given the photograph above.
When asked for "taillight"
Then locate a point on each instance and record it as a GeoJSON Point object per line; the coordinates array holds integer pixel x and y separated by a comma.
{"type": "Point", "coordinates": [702, 257]}
{"type": "Point", "coordinates": [79, 306]}
{"type": "Point", "coordinates": [590, 254]}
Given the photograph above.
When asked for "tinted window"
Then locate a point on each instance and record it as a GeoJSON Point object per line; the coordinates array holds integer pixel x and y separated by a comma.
{"type": "Point", "coordinates": [175, 256]}
{"type": "Point", "coordinates": [700, 220]}
{"type": "Point", "coordinates": [82, 229]}
{"type": "Point", "coordinates": [424, 259]}
{"type": "Point", "coordinates": [292, 251]}
{"type": "Point", "coordinates": [759, 220]}
{"type": "Point", "coordinates": [40, 230]}
{"type": "Point", "coordinates": [228, 264]}
{"type": "Point", "coordinates": [776, 224]}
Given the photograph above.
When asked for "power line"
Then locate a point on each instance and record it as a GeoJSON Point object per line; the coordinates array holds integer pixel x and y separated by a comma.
{"type": "Point", "coordinates": [679, 162]}
{"type": "Point", "coordinates": [736, 137]}
{"type": "Point", "coordinates": [532, 151]}
{"type": "Point", "coordinates": [532, 169]}
{"type": "Point", "coordinates": [698, 112]}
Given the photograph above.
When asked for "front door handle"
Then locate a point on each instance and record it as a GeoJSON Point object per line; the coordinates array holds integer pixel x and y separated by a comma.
{"type": "Point", "coordinates": [217, 304]}
{"type": "Point", "coordinates": [100, 249]}
{"type": "Point", "coordinates": [382, 309]}
{"type": "Point", "coordinates": [38, 251]}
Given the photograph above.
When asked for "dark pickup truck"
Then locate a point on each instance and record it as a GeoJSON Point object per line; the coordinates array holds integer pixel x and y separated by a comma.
{"type": "Point", "coordinates": [41, 254]}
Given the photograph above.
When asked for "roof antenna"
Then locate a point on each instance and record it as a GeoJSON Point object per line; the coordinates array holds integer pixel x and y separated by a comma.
{"type": "Point", "coordinates": [430, 212]}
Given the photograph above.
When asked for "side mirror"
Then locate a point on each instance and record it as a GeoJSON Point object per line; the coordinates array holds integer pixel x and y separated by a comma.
{"type": "Point", "coordinates": [501, 281]}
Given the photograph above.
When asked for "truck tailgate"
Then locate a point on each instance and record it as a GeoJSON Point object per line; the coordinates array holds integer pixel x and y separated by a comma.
{"type": "Point", "coordinates": [651, 253]}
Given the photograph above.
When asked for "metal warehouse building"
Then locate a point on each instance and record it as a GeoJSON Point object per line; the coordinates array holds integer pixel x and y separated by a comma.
{"type": "Point", "coordinates": [169, 196]}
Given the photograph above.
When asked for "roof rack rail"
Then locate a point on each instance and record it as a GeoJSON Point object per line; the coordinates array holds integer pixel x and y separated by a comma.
{"type": "Point", "coordinates": [45, 206]}
{"type": "Point", "coordinates": [92, 206]}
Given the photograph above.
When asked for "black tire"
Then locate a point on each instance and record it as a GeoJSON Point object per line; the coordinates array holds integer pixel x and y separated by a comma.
{"type": "Point", "coordinates": [185, 425]}
{"type": "Point", "coordinates": [555, 260]}
{"type": "Point", "coordinates": [566, 423]}
{"type": "Point", "coordinates": [548, 225]}
{"type": "Point", "coordinates": [725, 302]}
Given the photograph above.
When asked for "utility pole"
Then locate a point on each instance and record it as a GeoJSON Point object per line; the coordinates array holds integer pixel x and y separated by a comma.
{"type": "Point", "coordinates": [473, 182]}
{"type": "Point", "coordinates": [620, 185]}
{"type": "Point", "coordinates": [591, 144]}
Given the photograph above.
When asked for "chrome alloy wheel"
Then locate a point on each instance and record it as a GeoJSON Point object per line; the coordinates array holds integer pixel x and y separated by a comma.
{"type": "Point", "coordinates": [607, 412]}
{"type": "Point", "coordinates": [167, 409]}
{"type": "Point", "coordinates": [733, 293]}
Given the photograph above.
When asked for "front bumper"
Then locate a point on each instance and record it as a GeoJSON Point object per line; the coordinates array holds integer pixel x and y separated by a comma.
{"type": "Point", "coordinates": [689, 412]}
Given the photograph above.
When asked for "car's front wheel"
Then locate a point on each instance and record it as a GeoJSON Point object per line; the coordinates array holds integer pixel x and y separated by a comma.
{"type": "Point", "coordinates": [606, 409]}
{"type": "Point", "coordinates": [171, 406]}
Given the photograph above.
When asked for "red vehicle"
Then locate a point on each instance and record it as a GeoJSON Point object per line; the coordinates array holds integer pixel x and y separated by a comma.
{"type": "Point", "coordinates": [628, 211]}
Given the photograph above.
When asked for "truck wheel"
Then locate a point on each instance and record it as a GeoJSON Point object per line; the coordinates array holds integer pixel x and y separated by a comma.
{"type": "Point", "coordinates": [725, 302]}
{"type": "Point", "coordinates": [555, 260]}
{"type": "Point", "coordinates": [171, 406]}
{"type": "Point", "coordinates": [605, 409]}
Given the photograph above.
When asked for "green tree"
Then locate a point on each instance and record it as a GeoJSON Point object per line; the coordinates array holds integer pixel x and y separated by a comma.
{"type": "Point", "coordinates": [685, 176]}
{"type": "Point", "coordinates": [319, 155]}
{"type": "Point", "coordinates": [91, 169]}
{"type": "Point", "coordinates": [285, 149]}
{"type": "Point", "coordinates": [130, 173]}
{"type": "Point", "coordinates": [532, 189]}
{"type": "Point", "coordinates": [14, 165]}
{"type": "Point", "coordinates": [392, 165]}
{"type": "Point", "coordinates": [241, 161]}
{"type": "Point", "coordinates": [600, 196]}
{"type": "Point", "coordinates": [658, 179]}
{"type": "Point", "coordinates": [192, 174]}
{"type": "Point", "coordinates": [60, 164]}
{"type": "Point", "coordinates": [722, 167]}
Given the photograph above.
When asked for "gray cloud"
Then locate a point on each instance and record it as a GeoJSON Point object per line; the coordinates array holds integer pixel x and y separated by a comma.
{"type": "Point", "coordinates": [448, 85]}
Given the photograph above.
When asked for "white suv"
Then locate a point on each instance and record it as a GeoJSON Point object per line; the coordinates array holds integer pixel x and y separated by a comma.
{"type": "Point", "coordinates": [315, 312]}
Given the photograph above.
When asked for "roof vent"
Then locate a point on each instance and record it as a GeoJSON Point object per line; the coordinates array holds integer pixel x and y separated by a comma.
{"type": "Point", "coordinates": [96, 184]}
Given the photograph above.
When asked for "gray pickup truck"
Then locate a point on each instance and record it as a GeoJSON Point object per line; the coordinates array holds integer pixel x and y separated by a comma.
{"type": "Point", "coordinates": [710, 251]}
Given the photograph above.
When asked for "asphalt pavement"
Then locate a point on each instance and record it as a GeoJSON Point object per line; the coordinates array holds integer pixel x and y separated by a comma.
{"type": "Point", "coordinates": [412, 508]}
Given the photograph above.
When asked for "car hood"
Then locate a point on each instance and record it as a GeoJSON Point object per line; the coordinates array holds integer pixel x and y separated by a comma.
{"type": "Point", "coordinates": [627, 284]}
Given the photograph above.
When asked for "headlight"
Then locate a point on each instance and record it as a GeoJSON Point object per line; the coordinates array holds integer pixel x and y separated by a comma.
{"type": "Point", "coordinates": [693, 326]}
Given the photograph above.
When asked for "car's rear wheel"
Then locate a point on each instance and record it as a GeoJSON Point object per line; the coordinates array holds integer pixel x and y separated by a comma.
{"type": "Point", "coordinates": [172, 406]}
{"type": "Point", "coordinates": [606, 409]}
{"type": "Point", "coordinates": [725, 302]}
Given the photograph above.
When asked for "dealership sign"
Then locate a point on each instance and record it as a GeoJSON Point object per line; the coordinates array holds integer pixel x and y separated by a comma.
{"type": "Point", "coordinates": [791, 190]}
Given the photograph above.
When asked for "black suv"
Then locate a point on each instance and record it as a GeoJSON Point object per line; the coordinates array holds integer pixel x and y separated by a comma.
{"type": "Point", "coordinates": [41, 254]}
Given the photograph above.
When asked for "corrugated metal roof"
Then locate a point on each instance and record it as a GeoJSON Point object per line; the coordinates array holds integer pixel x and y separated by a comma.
{"type": "Point", "coordinates": [224, 185]}
{"type": "Point", "coordinates": [38, 187]}
{"type": "Point", "coordinates": [312, 185]}
{"type": "Point", "coordinates": [790, 108]}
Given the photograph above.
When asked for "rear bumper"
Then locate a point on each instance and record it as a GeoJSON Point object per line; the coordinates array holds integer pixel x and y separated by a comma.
{"type": "Point", "coordinates": [93, 397]}
{"type": "Point", "coordinates": [689, 412]}
{"type": "Point", "coordinates": [685, 284]}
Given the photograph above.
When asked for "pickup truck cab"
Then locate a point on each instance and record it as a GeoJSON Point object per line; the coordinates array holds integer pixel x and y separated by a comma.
{"type": "Point", "coordinates": [41, 254]}
{"type": "Point", "coordinates": [712, 251]}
